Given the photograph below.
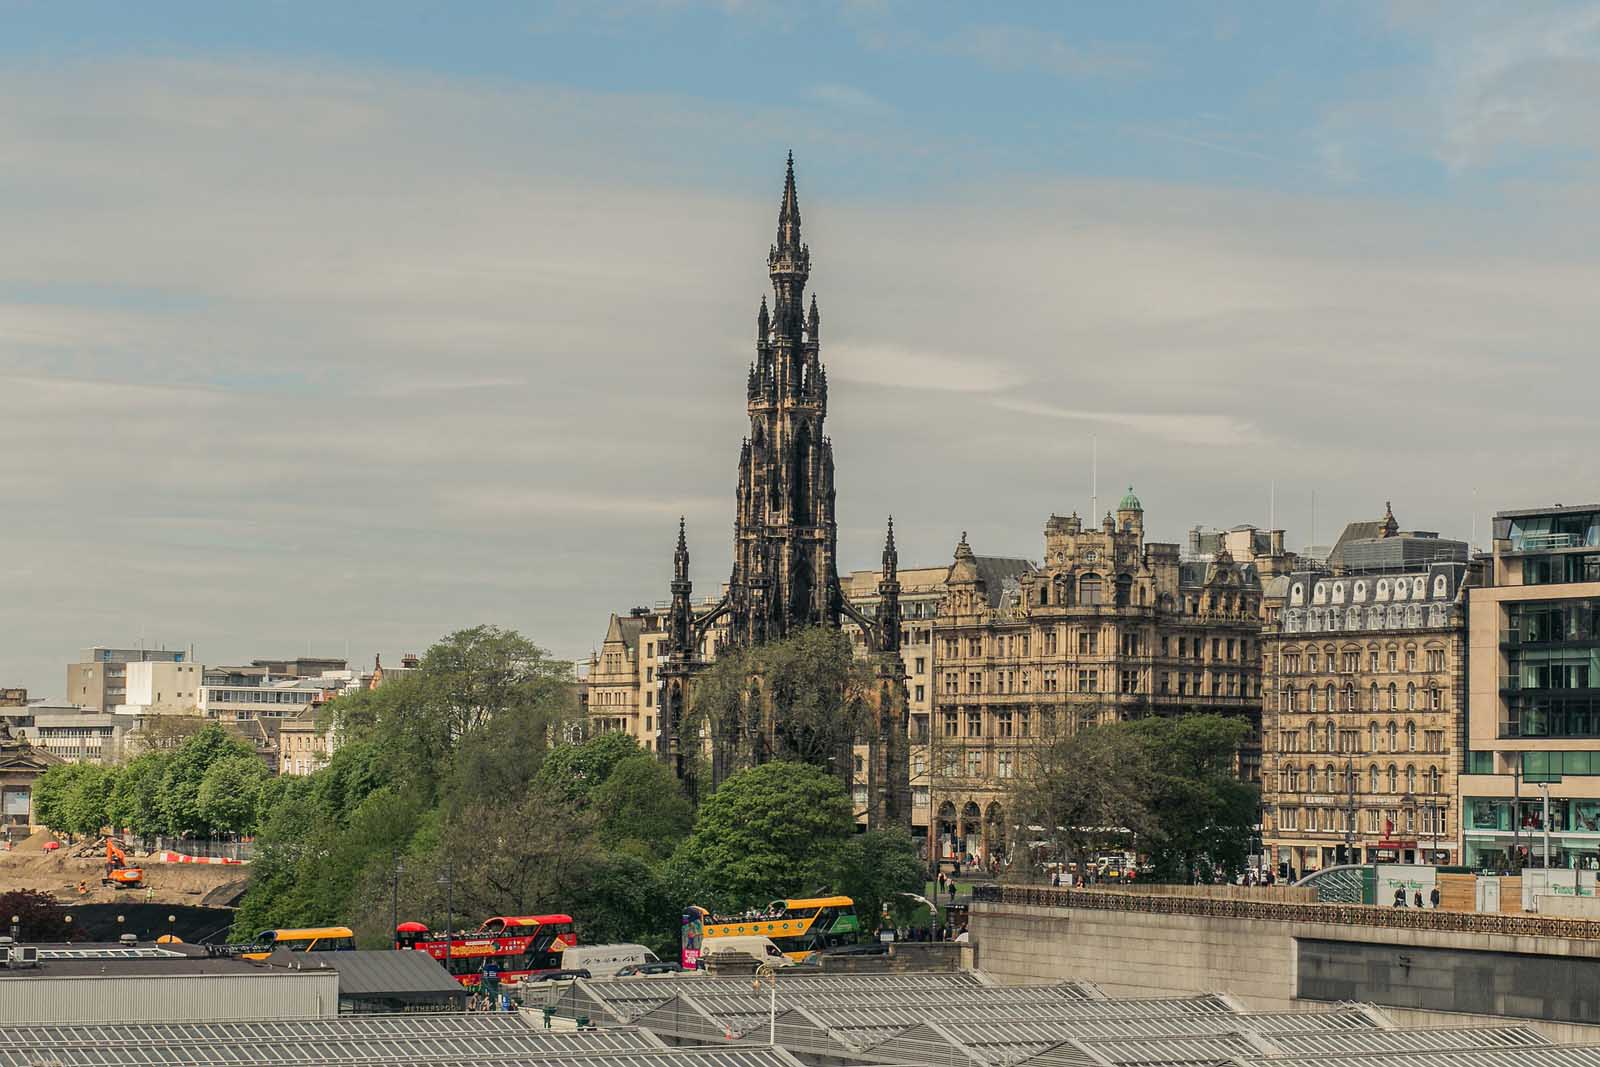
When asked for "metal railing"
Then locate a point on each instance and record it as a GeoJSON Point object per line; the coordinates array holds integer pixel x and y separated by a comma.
{"type": "Point", "coordinates": [1326, 914]}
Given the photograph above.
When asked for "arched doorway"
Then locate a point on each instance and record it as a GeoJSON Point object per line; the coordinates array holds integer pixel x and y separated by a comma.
{"type": "Point", "coordinates": [945, 844]}
{"type": "Point", "coordinates": [971, 829]}
{"type": "Point", "coordinates": [994, 833]}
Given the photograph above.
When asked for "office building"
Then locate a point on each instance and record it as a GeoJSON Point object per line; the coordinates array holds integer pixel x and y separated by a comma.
{"type": "Point", "coordinates": [1533, 720]}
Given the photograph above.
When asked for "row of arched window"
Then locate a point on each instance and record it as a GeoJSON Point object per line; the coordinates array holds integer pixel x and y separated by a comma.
{"type": "Point", "coordinates": [1332, 779]}
{"type": "Point", "coordinates": [1412, 588]}
{"type": "Point", "coordinates": [1394, 617]}
{"type": "Point", "coordinates": [1348, 699]}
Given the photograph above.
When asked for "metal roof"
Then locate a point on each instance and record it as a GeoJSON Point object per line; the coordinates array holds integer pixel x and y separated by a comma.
{"type": "Point", "coordinates": [508, 1045]}
{"type": "Point", "coordinates": [1551, 1056]}
{"type": "Point", "coordinates": [1467, 1037]}
{"type": "Point", "coordinates": [1182, 1049]}
{"type": "Point", "coordinates": [349, 1026]}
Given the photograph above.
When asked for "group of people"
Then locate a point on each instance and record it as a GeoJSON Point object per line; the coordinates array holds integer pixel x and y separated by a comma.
{"type": "Point", "coordinates": [942, 932]}
{"type": "Point", "coordinates": [1400, 898]}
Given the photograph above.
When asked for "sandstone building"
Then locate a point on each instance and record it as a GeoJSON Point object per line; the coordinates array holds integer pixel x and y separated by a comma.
{"type": "Point", "coordinates": [1109, 627]}
{"type": "Point", "coordinates": [1364, 681]}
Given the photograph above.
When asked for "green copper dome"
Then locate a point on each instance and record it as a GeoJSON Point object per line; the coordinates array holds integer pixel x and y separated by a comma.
{"type": "Point", "coordinates": [1130, 502]}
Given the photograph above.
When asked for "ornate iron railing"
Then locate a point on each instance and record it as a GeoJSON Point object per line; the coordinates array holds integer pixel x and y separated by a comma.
{"type": "Point", "coordinates": [1328, 914]}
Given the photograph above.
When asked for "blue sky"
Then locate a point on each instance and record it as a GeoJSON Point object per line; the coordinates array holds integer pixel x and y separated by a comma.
{"type": "Point", "coordinates": [1229, 92]}
{"type": "Point", "coordinates": [340, 326]}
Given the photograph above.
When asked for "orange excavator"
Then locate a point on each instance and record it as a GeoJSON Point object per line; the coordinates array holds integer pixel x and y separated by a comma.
{"type": "Point", "coordinates": [118, 874]}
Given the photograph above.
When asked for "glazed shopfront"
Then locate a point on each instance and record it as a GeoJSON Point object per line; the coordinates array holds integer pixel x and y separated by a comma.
{"type": "Point", "coordinates": [1497, 826]}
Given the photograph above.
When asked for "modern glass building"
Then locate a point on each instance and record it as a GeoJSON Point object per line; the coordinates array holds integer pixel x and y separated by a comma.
{"type": "Point", "coordinates": [1533, 722]}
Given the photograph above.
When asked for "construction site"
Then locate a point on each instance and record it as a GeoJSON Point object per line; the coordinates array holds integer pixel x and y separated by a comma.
{"type": "Point", "coordinates": [80, 875]}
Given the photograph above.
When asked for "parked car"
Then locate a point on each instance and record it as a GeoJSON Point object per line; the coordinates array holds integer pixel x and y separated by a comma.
{"type": "Point", "coordinates": [564, 975]}
{"type": "Point", "coordinates": [646, 969]}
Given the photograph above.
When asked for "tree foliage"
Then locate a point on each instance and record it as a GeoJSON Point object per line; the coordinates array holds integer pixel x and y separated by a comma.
{"type": "Point", "coordinates": [51, 793]}
{"type": "Point", "coordinates": [229, 793]}
{"type": "Point", "coordinates": [1164, 784]}
{"type": "Point", "coordinates": [186, 770]}
{"type": "Point", "coordinates": [574, 772]}
{"type": "Point", "coordinates": [875, 869]}
{"type": "Point", "coordinates": [40, 917]}
{"type": "Point", "coordinates": [84, 809]}
{"type": "Point", "coordinates": [769, 832]}
{"type": "Point", "coordinates": [804, 699]}
{"type": "Point", "coordinates": [1206, 813]}
{"type": "Point", "coordinates": [641, 808]}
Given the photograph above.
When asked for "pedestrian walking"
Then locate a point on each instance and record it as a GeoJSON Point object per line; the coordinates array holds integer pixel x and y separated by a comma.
{"type": "Point", "coordinates": [1433, 896]}
{"type": "Point", "coordinates": [1399, 898]}
{"type": "Point", "coordinates": [952, 890]}
{"type": "Point", "coordinates": [1418, 900]}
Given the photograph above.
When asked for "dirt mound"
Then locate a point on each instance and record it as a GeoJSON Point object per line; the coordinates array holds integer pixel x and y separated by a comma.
{"type": "Point", "coordinates": [29, 866]}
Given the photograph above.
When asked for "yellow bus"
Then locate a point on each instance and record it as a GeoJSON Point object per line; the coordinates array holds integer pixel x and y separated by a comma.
{"type": "Point", "coordinates": [800, 927]}
{"type": "Point", "coordinates": [309, 939]}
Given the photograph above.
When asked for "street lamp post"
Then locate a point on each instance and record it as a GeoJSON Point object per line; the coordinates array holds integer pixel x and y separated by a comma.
{"type": "Point", "coordinates": [1544, 791]}
{"type": "Point", "coordinates": [767, 975]}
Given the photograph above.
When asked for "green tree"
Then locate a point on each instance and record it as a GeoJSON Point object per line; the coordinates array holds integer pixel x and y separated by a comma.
{"type": "Point", "coordinates": [769, 832]}
{"type": "Point", "coordinates": [642, 809]}
{"type": "Point", "coordinates": [50, 793]}
{"type": "Point", "coordinates": [874, 869]}
{"type": "Point", "coordinates": [1089, 791]}
{"type": "Point", "coordinates": [135, 801]}
{"type": "Point", "coordinates": [84, 809]}
{"type": "Point", "coordinates": [229, 792]}
{"type": "Point", "coordinates": [483, 679]}
{"type": "Point", "coordinates": [809, 686]}
{"type": "Point", "coordinates": [575, 772]}
{"type": "Point", "coordinates": [186, 769]}
{"type": "Point", "coordinates": [1205, 814]}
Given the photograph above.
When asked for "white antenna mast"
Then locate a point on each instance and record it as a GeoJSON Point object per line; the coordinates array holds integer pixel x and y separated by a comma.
{"type": "Point", "coordinates": [1094, 478]}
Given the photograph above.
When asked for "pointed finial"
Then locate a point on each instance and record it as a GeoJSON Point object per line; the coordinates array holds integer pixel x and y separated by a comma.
{"type": "Point", "coordinates": [789, 212]}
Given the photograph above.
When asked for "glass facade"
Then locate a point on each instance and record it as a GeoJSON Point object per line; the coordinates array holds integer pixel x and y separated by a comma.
{"type": "Point", "coordinates": [1495, 826]}
{"type": "Point", "coordinates": [1535, 533]}
{"type": "Point", "coordinates": [1552, 681]}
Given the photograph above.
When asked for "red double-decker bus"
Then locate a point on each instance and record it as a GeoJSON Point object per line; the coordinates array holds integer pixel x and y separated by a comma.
{"type": "Point", "coordinates": [518, 945]}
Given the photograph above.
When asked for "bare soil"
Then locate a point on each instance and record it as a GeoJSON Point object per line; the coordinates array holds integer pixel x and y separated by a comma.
{"type": "Point", "coordinates": [28, 866]}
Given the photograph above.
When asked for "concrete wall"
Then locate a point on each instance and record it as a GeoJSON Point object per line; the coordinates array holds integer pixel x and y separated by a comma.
{"type": "Point", "coordinates": [1283, 894]}
{"type": "Point", "coordinates": [1150, 953]}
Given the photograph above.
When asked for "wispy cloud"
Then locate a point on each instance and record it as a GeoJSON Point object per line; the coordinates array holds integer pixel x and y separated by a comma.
{"type": "Point", "coordinates": [1025, 48]}
{"type": "Point", "coordinates": [516, 355]}
{"type": "Point", "coordinates": [908, 368]}
{"type": "Point", "coordinates": [848, 98]}
{"type": "Point", "coordinates": [1188, 428]}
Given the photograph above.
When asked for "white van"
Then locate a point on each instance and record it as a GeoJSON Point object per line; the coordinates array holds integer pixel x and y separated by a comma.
{"type": "Point", "coordinates": [604, 961]}
{"type": "Point", "coordinates": [762, 948]}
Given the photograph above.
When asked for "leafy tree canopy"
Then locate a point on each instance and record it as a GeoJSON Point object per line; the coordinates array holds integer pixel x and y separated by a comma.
{"type": "Point", "coordinates": [1166, 784]}
{"type": "Point", "coordinates": [642, 809]}
{"type": "Point", "coordinates": [574, 772]}
{"type": "Point", "coordinates": [186, 769]}
{"type": "Point", "coordinates": [229, 793]}
{"type": "Point", "coordinates": [769, 832]}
